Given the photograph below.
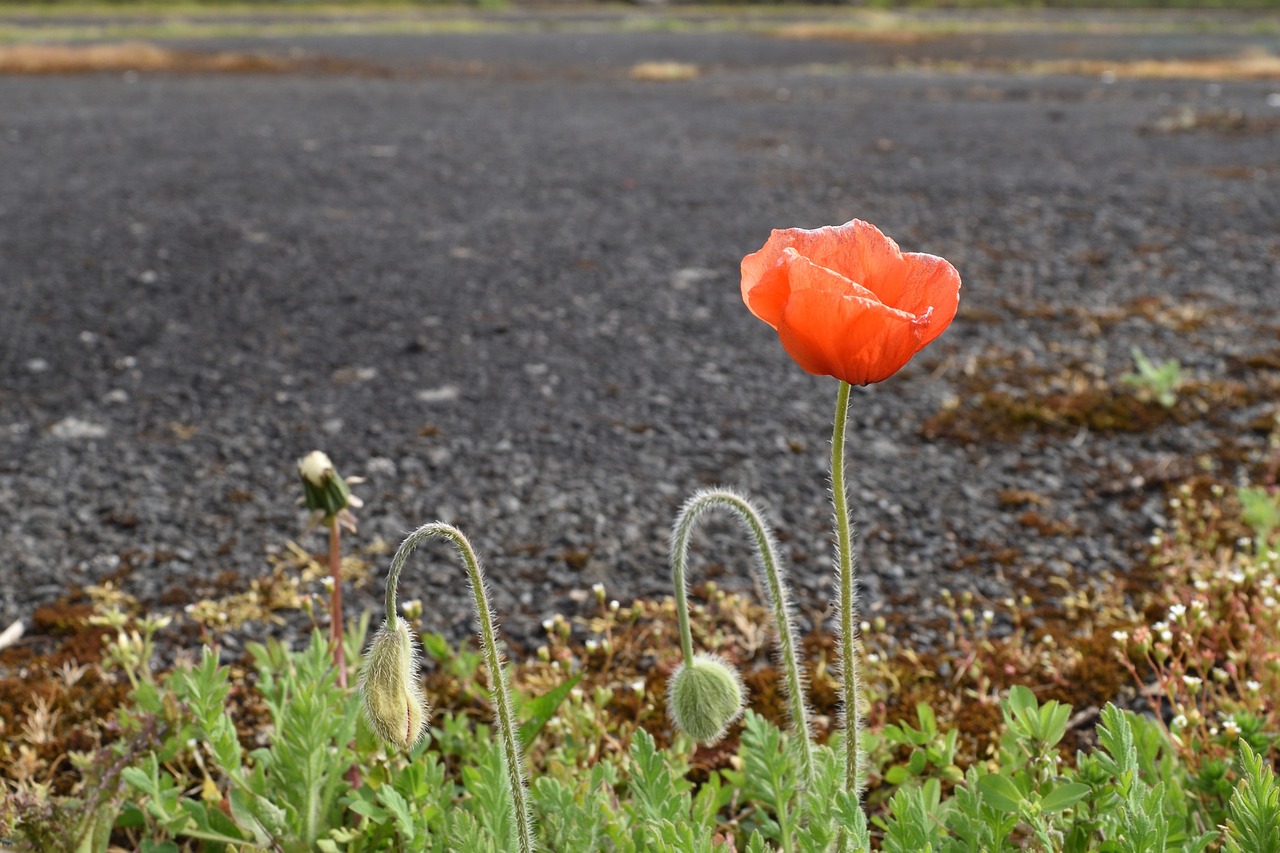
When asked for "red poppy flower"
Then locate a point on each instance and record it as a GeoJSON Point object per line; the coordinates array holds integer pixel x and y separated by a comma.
{"type": "Point", "coordinates": [846, 302]}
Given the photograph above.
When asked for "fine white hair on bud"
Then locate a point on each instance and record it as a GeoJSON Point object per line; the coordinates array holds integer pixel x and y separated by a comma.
{"type": "Point", "coordinates": [389, 690]}
{"type": "Point", "coordinates": [315, 468]}
{"type": "Point", "coordinates": [705, 697]}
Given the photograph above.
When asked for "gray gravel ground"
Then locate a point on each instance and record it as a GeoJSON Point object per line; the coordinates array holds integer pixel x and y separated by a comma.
{"type": "Point", "coordinates": [507, 295]}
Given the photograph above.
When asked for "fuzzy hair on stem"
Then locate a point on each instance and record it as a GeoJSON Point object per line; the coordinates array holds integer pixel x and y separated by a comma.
{"type": "Point", "coordinates": [500, 690]}
{"type": "Point", "coordinates": [773, 573]}
{"type": "Point", "coordinates": [850, 680]}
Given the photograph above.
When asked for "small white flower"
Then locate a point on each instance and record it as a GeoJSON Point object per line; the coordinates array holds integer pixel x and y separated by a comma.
{"type": "Point", "coordinates": [1230, 726]}
{"type": "Point", "coordinates": [1253, 686]}
{"type": "Point", "coordinates": [988, 616]}
{"type": "Point", "coordinates": [1166, 635]}
{"type": "Point", "coordinates": [1193, 683]}
{"type": "Point", "coordinates": [548, 624]}
{"type": "Point", "coordinates": [591, 646]}
{"type": "Point", "coordinates": [638, 687]}
{"type": "Point", "coordinates": [1120, 636]}
{"type": "Point", "coordinates": [1236, 577]}
{"type": "Point", "coordinates": [1176, 612]}
{"type": "Point", "coordinates": [1179, 722]}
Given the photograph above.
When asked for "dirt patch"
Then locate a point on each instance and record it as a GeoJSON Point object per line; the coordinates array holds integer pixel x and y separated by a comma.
{"type": "Point", "coordinates": [1247, 66]}
{"type": "Point", "coordinates": [38, 59]}
{"type": "Point", "coordinates": [811, 31]}
{"type": "Point", "coordinates": [662, 72]}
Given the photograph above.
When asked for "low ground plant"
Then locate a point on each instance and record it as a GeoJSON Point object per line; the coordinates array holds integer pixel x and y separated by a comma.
{"type": "Point", "coordinates": [603, 739]}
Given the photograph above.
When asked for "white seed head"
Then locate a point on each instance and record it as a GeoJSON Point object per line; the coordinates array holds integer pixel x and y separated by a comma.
{"type": "Point", "coordinates": [315, 468]}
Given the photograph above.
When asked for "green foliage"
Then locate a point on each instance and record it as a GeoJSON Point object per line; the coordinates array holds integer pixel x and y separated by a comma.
{"type": "Point", "coordinates": [322, 781]}
{"type": "Point", "coordinates": [1260, 509]}
{"type": "Point", "coordinates": [1254, 825]}
{"type": "Point", "coordinates": [1158, 383]}
{"type": "Point", "coordinates": [931, 751]}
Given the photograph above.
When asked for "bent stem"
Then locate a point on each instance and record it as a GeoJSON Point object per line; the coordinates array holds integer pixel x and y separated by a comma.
{"type": "Point", "coordinates": [775, 579]}
{"type": "Point", "coordinates": [492, 658]}
{"type": "Point", "coordinates": [850, 688]}
{"type": "Point", "coordinates": [336, 633]}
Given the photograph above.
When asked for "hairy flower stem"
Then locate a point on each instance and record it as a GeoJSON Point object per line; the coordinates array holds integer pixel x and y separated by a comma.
{"type": "Point", "coordinates": [850, 687]}
{"type": "Point", "coordinates": [337, 638]}
{"type": "Point", "coordinates": [779, 595]}
{"type": "Point", "coordinates": [492, 659]}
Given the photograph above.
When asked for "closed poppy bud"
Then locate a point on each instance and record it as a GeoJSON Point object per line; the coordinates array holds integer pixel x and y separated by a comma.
{"type": "Point", "coordinates": [846, 302]}
{"type": "Point", "coordinates": [389, 690]}
{"type": "Point", "coordinates": [705, 697]}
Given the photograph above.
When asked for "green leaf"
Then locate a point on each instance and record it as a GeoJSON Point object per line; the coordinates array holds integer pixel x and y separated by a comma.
{"type": "Point", "coordinates": [436, 646]}
{"type": "Point", "coordinates": [1063, 797]}
{"type": "Point", "coordinates": [657, 793]}
{"type": "Point", "coordinates": [543, 708]}
{"type": "Point", "coordinates": [1001, 793]}
{"type": "Point", "coordinates": [928, 721]}
{"type": "Point", "coordinates": [1021, 700]}
{"type": "Point", "coordinates": [1254, 824]}
{"type": "Point", "coordinates": [399, 807]}
{"type": "Point", "coordinates": [154, 847]}
{"type": "Point", "coordinates": [897, 774]}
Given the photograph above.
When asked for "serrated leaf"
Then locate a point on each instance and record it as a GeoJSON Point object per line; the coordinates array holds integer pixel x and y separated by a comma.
{"type": "Point", "coordinates": [399, 807]}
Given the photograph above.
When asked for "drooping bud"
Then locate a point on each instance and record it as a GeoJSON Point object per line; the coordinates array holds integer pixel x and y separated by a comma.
{"type": "Point", "coordinates": [705, 698]}
{"type": "Point", "coordinates": [324, 492]}
{"type": "Point", "coordinates": [389, 689]}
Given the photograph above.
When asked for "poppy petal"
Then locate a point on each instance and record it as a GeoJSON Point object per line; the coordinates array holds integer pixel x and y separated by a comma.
{"type": "Point", "coordinates": [857, 249]}
{"type": "Point", "coordinates": [830, 328]}
{"type": "Point", "coordinates": [846, 301]}
{"type": "Point", "coordinates": [766, 294]}
{"type": "Point", "coordinates": [931, 282]}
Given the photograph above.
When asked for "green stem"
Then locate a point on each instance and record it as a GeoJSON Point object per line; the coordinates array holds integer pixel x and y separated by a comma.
{"type": "Point", "coordinates": [850, 688]}
{"type": "Point", "coordinates": [492, 658]}
{"type": "Point", "coordinates": [779, 595]}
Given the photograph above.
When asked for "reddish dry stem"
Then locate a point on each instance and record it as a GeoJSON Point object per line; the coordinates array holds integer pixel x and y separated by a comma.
{"type": "Point", "coordinates": [335, 603]}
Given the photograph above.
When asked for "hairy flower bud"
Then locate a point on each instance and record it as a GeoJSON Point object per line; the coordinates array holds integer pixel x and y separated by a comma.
{"type": "Point", "coordinates": [389, 690]}
{"type": "Point", "coordinates": [705, 697]}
